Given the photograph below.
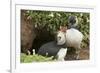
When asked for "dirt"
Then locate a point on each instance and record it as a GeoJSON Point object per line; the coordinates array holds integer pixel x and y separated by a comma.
{"type": "Point", "coordinates": [84, 54]}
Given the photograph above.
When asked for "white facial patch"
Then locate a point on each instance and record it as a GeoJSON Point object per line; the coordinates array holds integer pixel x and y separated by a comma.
{"type": "Point", "coordinates": [61, 38]}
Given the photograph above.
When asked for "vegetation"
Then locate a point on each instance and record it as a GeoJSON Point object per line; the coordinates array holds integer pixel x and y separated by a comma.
{"type": "Point", "coordinates": [34, 58]}
{"type": "Point", "coordinates": [52, 20]}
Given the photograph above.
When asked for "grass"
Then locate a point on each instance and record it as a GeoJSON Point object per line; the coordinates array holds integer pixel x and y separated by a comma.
{"type": "Point", "coordinates": [34, 58]}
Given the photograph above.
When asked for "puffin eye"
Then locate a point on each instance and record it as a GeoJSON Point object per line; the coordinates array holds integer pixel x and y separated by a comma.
{"type": "Point", "coordinates": [59, 37]}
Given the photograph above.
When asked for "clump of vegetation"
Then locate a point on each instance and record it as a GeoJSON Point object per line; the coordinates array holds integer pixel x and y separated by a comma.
{"type": "Point", "coordinates": [53, 19]}
{"type": "Point", "coordinates": [34, 58]}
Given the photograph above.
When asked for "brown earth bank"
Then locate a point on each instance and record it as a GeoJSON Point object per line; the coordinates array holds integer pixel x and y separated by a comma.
{"type": "Point", "coordinates": [84, 54]}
